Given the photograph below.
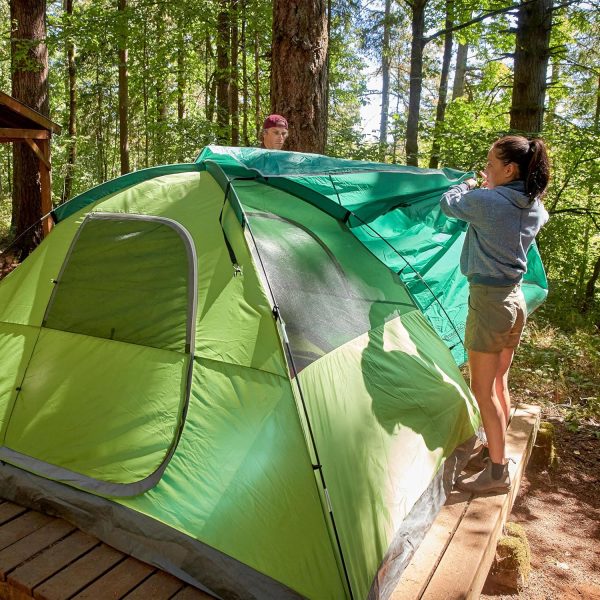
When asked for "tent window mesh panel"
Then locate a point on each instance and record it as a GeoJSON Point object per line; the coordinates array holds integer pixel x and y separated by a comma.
{"type": "Point", "coordinates": [323, 304]}
{"type": "Point", "coordinates": [127, 280]}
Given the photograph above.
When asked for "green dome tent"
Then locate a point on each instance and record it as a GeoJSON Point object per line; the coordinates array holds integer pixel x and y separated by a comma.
{"type": "Point", "coordinates": [244, 370]}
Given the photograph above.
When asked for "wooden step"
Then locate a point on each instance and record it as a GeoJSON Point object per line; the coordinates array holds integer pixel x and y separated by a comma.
{"type": "Point", "coordinates": [455, 556]}
{"type": "Point", "coordinates": [46, 558]}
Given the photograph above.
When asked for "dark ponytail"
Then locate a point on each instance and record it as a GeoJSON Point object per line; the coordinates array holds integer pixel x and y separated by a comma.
{"type": "Point", "coordinates": [531, 158]}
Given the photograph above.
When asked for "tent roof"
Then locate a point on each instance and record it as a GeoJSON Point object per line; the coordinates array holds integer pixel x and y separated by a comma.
{"type": "Point", "coordinates": [340, 187]}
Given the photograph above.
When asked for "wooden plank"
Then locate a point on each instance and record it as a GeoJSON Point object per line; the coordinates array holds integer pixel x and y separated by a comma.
{"type": "Point", "coordinates": [32, 134]}
{"type": "Point", "coordinates": [160, 586]}
{"type": "Point", "coordinates": [79, 574]}
{"type": "Point", "coordinates": [420, 569]}
{"type": "Point", "coordinates": [51, 560]}
{"type": "Point", "coordinates": [117, 582]}
{"type": "Point", "coordinates": [9, 511]}
{"type": "Point", "coordinates": [190, 593]}
{"type": "Point", "coordinates": [38, 152]}
{"type": "Point", "coordinates": [12, 556]}
{"type": "Point", "coordinates": [7, 592]}
{"type": "Point", "coordinates": [463, 568]}
{"type": "Point", "coordinates": [20, 527]}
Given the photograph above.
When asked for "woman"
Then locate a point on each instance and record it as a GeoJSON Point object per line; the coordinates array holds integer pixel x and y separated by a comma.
{"type": "Point", "coordinates": [504, 217]}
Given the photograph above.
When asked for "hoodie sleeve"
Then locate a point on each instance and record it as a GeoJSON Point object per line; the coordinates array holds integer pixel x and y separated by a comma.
{"type": "Point", "coordinates": [464, 204]}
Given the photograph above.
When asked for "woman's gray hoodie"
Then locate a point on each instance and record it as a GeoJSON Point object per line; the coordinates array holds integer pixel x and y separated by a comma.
{"type": "Point", "coordinates": [503, 223]}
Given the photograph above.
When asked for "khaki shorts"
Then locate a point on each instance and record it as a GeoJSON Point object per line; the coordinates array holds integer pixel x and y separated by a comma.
{"type": "Point", "coordinates": [496, 317]}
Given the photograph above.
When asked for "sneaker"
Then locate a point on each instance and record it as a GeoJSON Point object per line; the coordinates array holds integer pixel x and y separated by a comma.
{"type": "Point", "coordinates": [483, 482]}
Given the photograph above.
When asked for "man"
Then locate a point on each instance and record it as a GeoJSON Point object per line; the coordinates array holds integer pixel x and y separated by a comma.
{"type": "Point", "coordinates": [274, 132]}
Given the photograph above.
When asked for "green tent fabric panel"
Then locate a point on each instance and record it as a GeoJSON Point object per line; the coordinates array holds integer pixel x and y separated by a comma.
{"type": "Point", "coordinates": [238, 326]}
{"type": "Point", "coordinates": [25, 292]}
{"type": "Point", "coordinates": [16, 345]}
{"type": "Point", "coordinates": [397, 406]}
{"type": "Point", "coordinates": [535, 284]}
{"type": "Point", "coordinates": [424, 246]}
{"type": "Point", "coordinates": [111, 415]}
{"type": "Point", "coordinates": [231, 309]}
{"type": "Point", "coordinates": [128, 280]}
{"type": "Point", "coordinates": [241, 480]}
{"type": "Point", "coordinates": [104, 190]}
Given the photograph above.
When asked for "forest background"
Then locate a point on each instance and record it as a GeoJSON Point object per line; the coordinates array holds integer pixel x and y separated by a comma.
{"type": "Point", "coordinates": [137, 83]}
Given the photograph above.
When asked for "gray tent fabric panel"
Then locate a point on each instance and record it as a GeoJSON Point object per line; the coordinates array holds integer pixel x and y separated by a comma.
{"type": "Point", "coordinates": [144, 538]}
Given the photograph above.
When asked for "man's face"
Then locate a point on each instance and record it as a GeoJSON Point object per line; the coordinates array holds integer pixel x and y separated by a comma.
{"type": "Point", "coordinates": [274, 137]}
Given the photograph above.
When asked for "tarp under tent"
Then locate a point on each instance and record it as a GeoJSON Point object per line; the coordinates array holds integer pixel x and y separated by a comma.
{"type": "Point", "coordinates": [245, 370]}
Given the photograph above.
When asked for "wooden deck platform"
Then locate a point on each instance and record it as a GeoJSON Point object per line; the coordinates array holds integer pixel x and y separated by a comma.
{"type": "Point", "coordinates": [46, 558]}
{"type": "Point", "coordinates": [455, 557]}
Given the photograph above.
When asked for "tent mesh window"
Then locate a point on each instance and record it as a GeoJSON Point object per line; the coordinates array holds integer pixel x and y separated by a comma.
{"type": "Point", "coordinates": [125, 280]}
{"type": "Point", "coordinates": [324, 304]}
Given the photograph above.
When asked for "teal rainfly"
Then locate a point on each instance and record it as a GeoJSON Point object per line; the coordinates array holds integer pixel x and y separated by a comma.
{"type": "Point", "coordinates": [244, 370]}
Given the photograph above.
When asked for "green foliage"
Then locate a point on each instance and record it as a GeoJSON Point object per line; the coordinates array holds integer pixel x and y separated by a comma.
{"type": "Point", "coordinates": [5, 210]}
{"type": "Point", "coordinates": [558, 363]}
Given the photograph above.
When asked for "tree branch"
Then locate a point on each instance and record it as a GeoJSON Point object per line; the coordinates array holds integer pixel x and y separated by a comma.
{"type": "Point", "coordinates": [492, 13]}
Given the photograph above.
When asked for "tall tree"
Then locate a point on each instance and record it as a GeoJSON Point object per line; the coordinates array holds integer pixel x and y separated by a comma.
{"type": "Point", "coordinates": [531, 63]}
{"type": "Point", "coordinates": [299, 71]}
{"type": "Point", "coordinates": [443, 88]}
{"type": "Point", "coordinates": [234, 94]}
{"type": "Point", "coordinates": [123, 88]}
{"type": "Point", "coordinates": [385, 80]}
{"type": "Point", "coordinates": [223, 71]}
{"type": "Point", "coordinates": [29, 56]}
{"type": "Point", "coordinates": [460, 72]}
{"type": "Point", "coordinates": [72, 102]}
{"type": "Point", "coordinates": [416, 80]}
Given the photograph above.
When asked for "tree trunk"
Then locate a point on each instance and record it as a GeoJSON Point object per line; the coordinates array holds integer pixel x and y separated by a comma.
{"type": "Point", "coordinates": [458, 87]}
{"type": "Point", "coordinates": [181, 87]}
{"type": "Point", "coordinates": [208, 56]}
{"type": "Point", "coordinates": [385, 77]}
{"type": "Point", "coordinates": [234, 98]}
{"type": "Point", "coordinates": [181, 79]}
{"type": "Point", "coordinates": [257, 119]}
{"type": "Point", "coordinates": [531, 63]}
{"type": "Point", "coordinates": [123, 88]}
{"type": "Point", "coordinates": [145, 98]}
{"type": "Point", "coordinates": [29, 85]}
{"type": "Point", "coordinates": [161, 75]}
{"type": "Point", "coordinates": [72, 104]}
{"type": "Point", "coordinates": [416, 82]}
{"type": "Point", "coordinates": [99, 133]}
{"type": "Point", "coordinates": [245, 91]}
{"type": "Point", "coordinates": [223, 73]}
{"type": "Point", "coordinates": [299, 71]}
{"type": "Point", "coordinates": [440, 114]}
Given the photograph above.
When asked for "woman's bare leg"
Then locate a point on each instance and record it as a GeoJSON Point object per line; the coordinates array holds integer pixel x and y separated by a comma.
{"type": "Point", "coordinates": [484, 368]}
{"type": "Point", "coordinates": [501, 382]}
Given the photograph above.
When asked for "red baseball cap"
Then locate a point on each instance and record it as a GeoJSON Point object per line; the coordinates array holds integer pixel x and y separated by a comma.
{"type": "Point", "coordinates": [275, 121]}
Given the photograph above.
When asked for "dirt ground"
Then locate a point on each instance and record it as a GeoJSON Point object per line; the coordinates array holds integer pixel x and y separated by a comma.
{"type": "Point", "coordinates": [560, 512]}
